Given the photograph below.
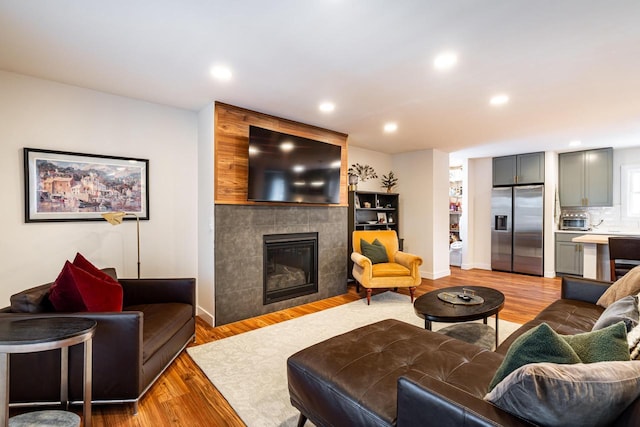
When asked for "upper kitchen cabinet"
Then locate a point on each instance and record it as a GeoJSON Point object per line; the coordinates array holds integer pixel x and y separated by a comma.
{"type": "Point", "coordinates": [586, 178]}
{"type": "Point", "coordinates": [518, 169]}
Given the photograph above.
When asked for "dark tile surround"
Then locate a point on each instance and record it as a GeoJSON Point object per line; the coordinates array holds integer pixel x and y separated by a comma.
{"type": "Point", "coordinates": [238, 255]}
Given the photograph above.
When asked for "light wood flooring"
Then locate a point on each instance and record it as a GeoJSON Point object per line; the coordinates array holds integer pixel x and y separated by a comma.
{"type": "Point", "coordinates": [183, 396]}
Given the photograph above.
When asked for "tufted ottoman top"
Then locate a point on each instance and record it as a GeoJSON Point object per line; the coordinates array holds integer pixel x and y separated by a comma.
{"type": "Point", "coordinates": [351, 379]}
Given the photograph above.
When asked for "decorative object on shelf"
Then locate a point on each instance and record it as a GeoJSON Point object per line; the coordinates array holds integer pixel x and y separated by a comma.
{"type": "Point", "coordinates": [353, 182]}
{"type": "Point", "coordinates": [65, 186]}
{"type": "Point", "coordinates": [390, 218]}
{"type": "Point", "coordinates": [367, 205]}
{"type": "Point", "coordinates": [382, 218]}
{"type": "Point", "coordinates": [389, 181]}
{"type": "Point", "coordinates": [115, 218]}
{"type": "Point", "coordinates": [356, 200]}
{"type": "Point", "coordinates": [361, 172]}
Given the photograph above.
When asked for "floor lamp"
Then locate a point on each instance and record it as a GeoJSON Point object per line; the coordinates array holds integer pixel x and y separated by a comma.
{"type": "Point", "coordinates": [115, 218]}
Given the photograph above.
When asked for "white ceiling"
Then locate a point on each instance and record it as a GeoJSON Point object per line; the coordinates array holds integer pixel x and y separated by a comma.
{"type": "Point", "coordinates": [570, 67]}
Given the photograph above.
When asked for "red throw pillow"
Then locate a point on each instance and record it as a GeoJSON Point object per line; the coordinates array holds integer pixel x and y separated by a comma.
{"type": "Point", "coordinates": [63, 294]}
{"type": "Point", "coordinates": [98, 294]}
{"type": "Point", "coordinates": [94, 293]}
{"type": "Point", "coordinates": [83, 263]}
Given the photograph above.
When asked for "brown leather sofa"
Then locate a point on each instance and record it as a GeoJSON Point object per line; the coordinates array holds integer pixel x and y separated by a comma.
{"type": "Point", "coordinates": [392, 373]}
{"type": "Point", "coordinates": [131, 348]}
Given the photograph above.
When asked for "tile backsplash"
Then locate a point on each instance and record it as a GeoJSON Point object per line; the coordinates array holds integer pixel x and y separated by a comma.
{"type": "Point", "coordinates": [612, 219]}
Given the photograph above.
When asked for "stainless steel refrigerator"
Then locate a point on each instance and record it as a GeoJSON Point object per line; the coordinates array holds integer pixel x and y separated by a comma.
{"type": "Point", "coordinates": [517, 229]}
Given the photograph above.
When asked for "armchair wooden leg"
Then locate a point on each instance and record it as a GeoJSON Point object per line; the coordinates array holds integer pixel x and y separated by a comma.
{"type": "Point", "coordinates": [369, 290]}
{"type": "Point", "coordinates": [357, 287]}
{"type": "Point", "coordinates": [411, 291]}
{"type": "Point", "coordinates": [301, 420]}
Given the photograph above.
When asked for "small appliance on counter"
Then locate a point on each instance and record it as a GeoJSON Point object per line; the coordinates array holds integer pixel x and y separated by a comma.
{"type": "Point", "coordinates": [575, 221]}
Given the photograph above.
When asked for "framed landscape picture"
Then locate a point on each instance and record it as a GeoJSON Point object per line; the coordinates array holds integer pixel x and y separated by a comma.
{"type": "Point", "coordinates": [64, 186]}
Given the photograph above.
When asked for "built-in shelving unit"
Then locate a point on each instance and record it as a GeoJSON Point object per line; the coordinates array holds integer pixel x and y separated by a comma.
{"type": "Point", "coordinates": [455, 202]}
{"type": "Point", "coordinates": [455, 214]}
{"type": "Point", "coordinates": [369, 210]}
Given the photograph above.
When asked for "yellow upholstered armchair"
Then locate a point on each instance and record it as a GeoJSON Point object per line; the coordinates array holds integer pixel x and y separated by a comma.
{"type": "Point", "coordinates": [399, 271]}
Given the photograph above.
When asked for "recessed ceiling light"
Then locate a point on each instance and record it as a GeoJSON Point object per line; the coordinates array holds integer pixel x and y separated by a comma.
{"type": "Point", "coordinates": [445, 61]}
{"type": "Point", "coordinates": [221, 72]}
{"type": "Point", "coordinates": [575, 143]}
{"type": "Point", "coordinates": [336, 164]}
{"type": "Point", "coordinates": [500, 99]}
{"type": "Point", "coordinates": [390, 127]}
{"type": "Point", "coordinates": [298, 168]}
{"type": "Point", "coordinates": [253, 150]}
{"type": "Point", "coordinates": [317, 183]}
{"type": "Point", "coordinates": [327, 107]}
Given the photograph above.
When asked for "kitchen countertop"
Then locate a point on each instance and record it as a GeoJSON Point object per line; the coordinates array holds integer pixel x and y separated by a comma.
{"type": "Point", "coordinates": [603, 232]}
{"type": "Point", "coordinates": [599, 239]}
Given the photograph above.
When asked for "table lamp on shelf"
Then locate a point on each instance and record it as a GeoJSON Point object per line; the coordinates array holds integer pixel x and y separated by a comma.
{"type": "Point", "coordinates": [116, 218]}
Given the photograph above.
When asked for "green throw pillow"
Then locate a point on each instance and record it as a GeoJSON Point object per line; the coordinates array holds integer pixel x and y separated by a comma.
{"type": "Point", "coordinates": [539, 344]}
{"type": "Point", "coordinates": [375, 251]}
{"type": "Point", "coordinates": [543, 344]}
{"type": "Point", "coordinates": [604, 345]}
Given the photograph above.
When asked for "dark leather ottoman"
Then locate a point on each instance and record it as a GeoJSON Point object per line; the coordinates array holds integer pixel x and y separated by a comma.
{"type": "Point", "coordinates": [352, 379]}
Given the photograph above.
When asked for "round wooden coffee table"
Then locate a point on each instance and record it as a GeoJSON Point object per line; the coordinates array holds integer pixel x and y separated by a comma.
{"type": "Point", "coordinates": [432, 308]}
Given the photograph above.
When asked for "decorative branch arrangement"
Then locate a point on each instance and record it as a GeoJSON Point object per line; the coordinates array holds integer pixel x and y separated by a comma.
{"type": "Point", "coordinates": [363, 172]}
{"type": "Point", "coordinates": [389, 181]}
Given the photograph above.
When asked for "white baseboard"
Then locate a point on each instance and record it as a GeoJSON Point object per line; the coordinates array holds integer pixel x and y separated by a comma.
{"type": "Point", "coordinates": [435, 275]}
{"type": "Point", "coordinates": [206, 316]}
{"type": "Point", "coordinates": [471, 266]}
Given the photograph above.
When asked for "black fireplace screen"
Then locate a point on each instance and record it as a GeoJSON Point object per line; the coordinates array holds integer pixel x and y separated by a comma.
{"type": "Point", "coordinates": [290, 266]}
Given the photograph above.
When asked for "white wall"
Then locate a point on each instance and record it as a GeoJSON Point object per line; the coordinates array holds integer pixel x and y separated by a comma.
{"type": "Point", "coordinates": [42, 114]}
{"type": "Point", "coordinates": [479, 211]}
{"type": "Point", "coordinates": [206, 235]}
{"type": "Point", "coordinates": [550, 225]}
{"type": "Point", "coordinates": [380, 162]}
{"type": "Point", "coordinates": [424, 214]}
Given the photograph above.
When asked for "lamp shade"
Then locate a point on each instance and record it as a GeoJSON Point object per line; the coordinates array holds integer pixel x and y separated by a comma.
{"type": "Point", "coordinates": [114, 218]}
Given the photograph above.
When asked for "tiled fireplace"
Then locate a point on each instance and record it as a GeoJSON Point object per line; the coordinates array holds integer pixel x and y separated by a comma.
{"type": "Point", "coordinates": [239, 256]}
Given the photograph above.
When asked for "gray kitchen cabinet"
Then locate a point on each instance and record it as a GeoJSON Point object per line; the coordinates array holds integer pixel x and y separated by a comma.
{"type": "Point", "coordinates": [586, 178]}
{"type": "Point", "coordinates": [518, 169]}
{"type": "Point", "coordinates": [569, 255]}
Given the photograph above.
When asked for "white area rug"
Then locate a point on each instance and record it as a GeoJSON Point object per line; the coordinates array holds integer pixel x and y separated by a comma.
{"type": "Point", "coordinates": [250, 369]}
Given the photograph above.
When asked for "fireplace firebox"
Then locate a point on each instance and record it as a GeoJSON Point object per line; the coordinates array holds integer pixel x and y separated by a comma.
{"type": "Point", "coordinates": [290, 266]}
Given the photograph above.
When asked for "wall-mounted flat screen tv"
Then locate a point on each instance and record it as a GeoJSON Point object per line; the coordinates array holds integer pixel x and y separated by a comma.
{"type": "Point", "coordinates": [287, 168]}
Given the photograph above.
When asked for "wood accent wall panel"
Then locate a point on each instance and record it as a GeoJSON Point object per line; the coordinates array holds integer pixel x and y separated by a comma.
{"type": "Point", "coordinates": [232, 145]}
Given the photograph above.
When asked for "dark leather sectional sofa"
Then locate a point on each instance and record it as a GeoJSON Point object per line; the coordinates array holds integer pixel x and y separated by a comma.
{"type": "Point", "coordinates": [392, 373]}
{"type": "Point", "coordinates": [131, 348]}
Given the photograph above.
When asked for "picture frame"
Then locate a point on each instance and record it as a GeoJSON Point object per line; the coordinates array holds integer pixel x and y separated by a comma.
{"type": "Point", "coordinates": [382, 218]}
{"type": "Point", "coordinates": [67, 186]}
